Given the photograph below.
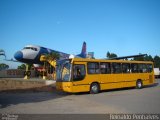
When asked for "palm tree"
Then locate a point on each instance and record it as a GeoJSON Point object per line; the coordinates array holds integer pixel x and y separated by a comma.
{"type": "Point", "coordinates": [53, 56]}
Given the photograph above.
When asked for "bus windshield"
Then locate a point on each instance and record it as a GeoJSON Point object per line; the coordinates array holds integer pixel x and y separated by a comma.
{"type": "Point", "coordinates": [63, 70]}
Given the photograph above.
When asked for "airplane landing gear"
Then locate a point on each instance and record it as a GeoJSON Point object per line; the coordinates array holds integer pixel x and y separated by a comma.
{"type": "Point", "coordinates": [27, 73]}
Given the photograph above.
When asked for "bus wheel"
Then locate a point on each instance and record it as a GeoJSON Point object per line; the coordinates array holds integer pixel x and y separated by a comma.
{"type": "Point", "coordinates": [139, 84]}
{"type": "Point", "coordinates": [94, 89]}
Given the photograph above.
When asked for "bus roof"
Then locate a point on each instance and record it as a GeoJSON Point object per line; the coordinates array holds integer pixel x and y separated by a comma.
{"type": "Point", "coordinates": [105, 60]}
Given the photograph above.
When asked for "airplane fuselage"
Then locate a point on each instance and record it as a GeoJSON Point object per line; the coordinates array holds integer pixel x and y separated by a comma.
{"type": "Point", "coordinates": [31, 54]}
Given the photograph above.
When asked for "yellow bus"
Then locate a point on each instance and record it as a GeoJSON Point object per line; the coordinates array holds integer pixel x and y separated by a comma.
{"type": "Point", "coordinates": [93, 75]}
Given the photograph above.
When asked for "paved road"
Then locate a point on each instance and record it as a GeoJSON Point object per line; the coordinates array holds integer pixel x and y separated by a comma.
{"type": "Point", "coordinates": [146, 100]}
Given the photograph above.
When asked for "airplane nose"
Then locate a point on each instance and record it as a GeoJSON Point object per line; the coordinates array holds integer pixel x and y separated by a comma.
{"type": "Point", "coordinates": [18, 55]}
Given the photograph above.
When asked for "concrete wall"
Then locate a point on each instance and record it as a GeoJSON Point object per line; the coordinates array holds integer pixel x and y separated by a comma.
{"type": "Point", "coordinates": [14, 73]}
{"type": "Point", "coordinates": [19, 83]}
{"type": "Point", "coordinates": [7, 84]}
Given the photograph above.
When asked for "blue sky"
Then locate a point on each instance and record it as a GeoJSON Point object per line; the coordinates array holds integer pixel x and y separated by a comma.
{"type": "Point", "coordinates": [124, 27]}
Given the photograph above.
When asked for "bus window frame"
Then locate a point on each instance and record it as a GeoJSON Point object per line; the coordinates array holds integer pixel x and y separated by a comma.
{"type": "Point", "coordinates": [127, 71]}
{"type": "Point", "coordinates": [142, 68]}
{"type": "Point", "coordinates": [73, 72]}
{"type": "Point", "coordinates": [132, 68]}
{"type": "Point", "coordinates": [106, 71]}
{"type": "Point", "coordinates": [115, 71]}
{"type": "Point", "coordinates": [96, 70]}
{"type": "Point", "coordinates": [148, 70]}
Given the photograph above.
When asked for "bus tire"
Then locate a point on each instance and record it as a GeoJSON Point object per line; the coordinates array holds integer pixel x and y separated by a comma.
{"type": "Point", "coordinates": [139, 84]}
{"type": "Point", "coordinates": [94, 88]}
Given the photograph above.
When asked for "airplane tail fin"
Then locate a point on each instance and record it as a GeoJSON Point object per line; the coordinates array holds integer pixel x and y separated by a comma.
{"type": "Point", "coordinates": [83, 52]}
{"type": "Point", "coordinates": [83, 48]}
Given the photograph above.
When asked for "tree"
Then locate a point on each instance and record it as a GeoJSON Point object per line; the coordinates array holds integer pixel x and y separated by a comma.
{"type": "Point", "coordinates": [3, 66]}
{"type": "Point", "coordinates": [23, 66]}
{"type": "Point", "coordinates": [111, 55]}
{"type": "Point", "coordinates": [157, 61]}
{"type": "Point", "coordinates": [108, 54]}
{"type": "Point", "coordinates": [143, 58]}
{"type": "Point", "coordinates": [140, 58]}
{"type": "Point", "coordinates": [53, 56]}
{"type": "Point", "coordinates": [49, 57]}
{"type": "Point", "coordinates": [148, 58]}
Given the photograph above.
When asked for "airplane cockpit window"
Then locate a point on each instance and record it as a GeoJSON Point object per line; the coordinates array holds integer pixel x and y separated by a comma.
{"type": "Point", "coordinates": [32, 48]}
{"type": "Point", "coordinates": [35, 49]}
{"type": "Point", "coordinates": [27, 48]}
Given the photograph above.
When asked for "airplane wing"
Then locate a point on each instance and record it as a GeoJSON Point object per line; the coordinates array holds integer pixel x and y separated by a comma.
{"type": "Point", "coordinates": [12, 60]}
{"type": "Point", "coordinates": [125, 57]}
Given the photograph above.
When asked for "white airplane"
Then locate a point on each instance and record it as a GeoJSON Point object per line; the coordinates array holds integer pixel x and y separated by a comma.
{"type": "Point", "coordinates": [31, 54]}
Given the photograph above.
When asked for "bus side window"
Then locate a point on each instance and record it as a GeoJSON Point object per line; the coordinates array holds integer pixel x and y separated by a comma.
{"type": "Point", "coordinates": [125, 67]}
{"type": "Point", "coordinates": [134, 68]}
{"type": "Point", "coordinates": [105, 68]}
{"type": "Point", "coordinates": [149, 68]}
{"type": "Point", "coordinates": [116, 67]}
{"type": "Point", "coordinates": [142, 68]}
{"type": "Point", "coordinates": [78, 72]}
{"type": "Point", "coordinates": [93, 68]}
